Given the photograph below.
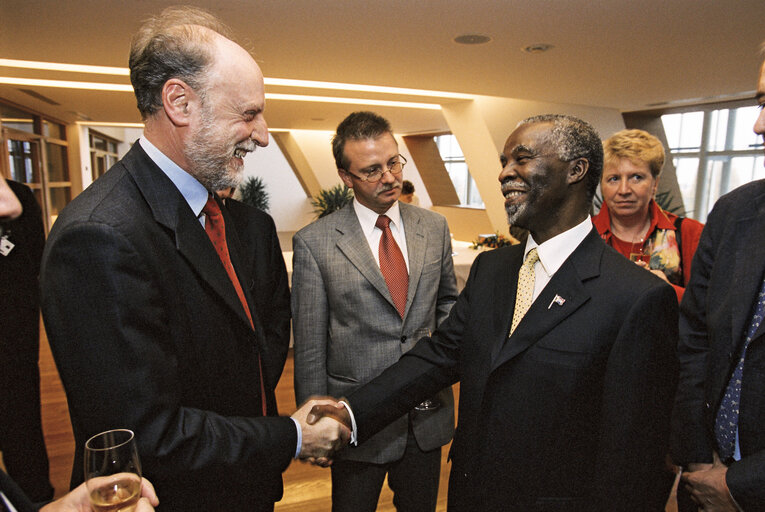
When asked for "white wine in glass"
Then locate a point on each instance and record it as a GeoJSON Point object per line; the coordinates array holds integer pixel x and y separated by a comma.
{"type": "Point", "coordinates": [113, 471]}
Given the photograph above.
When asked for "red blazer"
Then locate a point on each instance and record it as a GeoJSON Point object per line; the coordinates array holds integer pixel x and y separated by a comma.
{"type": "Point", "coordinates": [690, 232]}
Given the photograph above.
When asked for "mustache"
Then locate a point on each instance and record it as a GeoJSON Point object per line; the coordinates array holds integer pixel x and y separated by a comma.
{"type": "Point", "coordinates": [248, 145]}
{"type": "Point", "coordinates": [390, 187]}
{"type": "Point", "coordinates": [514, 186]}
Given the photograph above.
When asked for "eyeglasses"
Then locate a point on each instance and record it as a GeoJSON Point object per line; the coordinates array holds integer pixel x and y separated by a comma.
{"type": "Point", "coordinates": [375, 175]}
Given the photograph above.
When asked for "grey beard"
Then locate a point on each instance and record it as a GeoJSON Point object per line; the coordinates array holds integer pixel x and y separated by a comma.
{"type": "Point", "coordinates": [513, 212]}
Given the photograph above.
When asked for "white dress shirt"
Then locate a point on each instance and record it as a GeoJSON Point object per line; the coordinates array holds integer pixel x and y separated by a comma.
{"type": "Point", "coordinates": [368, 218]}
{"type": "Point", "coordinates": [554, 252]}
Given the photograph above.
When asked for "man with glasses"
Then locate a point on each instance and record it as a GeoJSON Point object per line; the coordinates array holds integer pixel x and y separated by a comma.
{"type": "Point", "coordinates": [369, 281]}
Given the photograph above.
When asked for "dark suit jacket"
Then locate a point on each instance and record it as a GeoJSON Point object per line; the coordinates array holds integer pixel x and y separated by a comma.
{"type": "Point", "coordinates": [268, 284]}
{"type": "Point", "coordinates": [715, 314]}
{"type": "Point", "coordinates": [148, 334]}
{"type": "Point", "coordinates": [571, 413]}
{"type": "Point", "coordinates": [14, 495]}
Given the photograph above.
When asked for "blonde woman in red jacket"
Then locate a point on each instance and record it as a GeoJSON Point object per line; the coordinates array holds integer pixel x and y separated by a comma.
{"type": "Point", "coordinates": [631, 222]}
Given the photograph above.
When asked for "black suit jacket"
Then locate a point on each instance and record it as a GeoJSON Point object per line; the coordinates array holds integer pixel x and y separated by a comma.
{"type": "Point", "coordinates": [717, 308]}
{"type": "Point", "coordinates": [267, 283]}
{"type": "Point", "coordinates": [571, 413]}
{"type": "Point", "coordinates": [14, 495]}
{"type": "Point", "coordinates": [148, 334]}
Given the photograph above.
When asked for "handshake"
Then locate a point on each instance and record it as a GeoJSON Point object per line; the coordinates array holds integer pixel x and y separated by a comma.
{"type": "Point", "coordinates": [325, 424]}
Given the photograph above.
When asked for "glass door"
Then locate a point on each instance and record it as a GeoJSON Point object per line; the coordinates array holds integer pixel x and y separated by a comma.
{"type": "Point", "coordinates": [25, 165]}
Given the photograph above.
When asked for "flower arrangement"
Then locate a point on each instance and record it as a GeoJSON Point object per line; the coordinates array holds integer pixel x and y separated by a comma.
{"type": "Point", "coordinates": [492, 241]}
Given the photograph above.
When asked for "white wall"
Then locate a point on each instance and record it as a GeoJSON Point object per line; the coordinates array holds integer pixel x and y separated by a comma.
{"type": "Point", "coordinates": [288, 203]}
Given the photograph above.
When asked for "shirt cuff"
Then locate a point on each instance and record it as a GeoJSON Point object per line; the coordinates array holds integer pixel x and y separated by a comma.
{"type": "Point", "coordinates": [354, 432]}
{"type": "Point", "coordinates": [299, 437]}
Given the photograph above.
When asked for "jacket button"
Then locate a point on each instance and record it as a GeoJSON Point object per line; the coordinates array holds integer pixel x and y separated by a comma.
{"type": "Point", "coordinates": [403, 339]}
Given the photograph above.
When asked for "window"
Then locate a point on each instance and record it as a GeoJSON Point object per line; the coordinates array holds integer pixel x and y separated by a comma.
{"type": "Point", "coordinates": [454, 160]}
{"type": "Point", "coordinates": [714, 151]}
{"type": "Point", "coordinates": [103, 153]}
{"type": "Point", "coordinates": [35, 152]}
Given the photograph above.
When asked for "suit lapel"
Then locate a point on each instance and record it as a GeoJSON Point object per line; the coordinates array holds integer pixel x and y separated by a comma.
{"type": "Point", "coordinates": [172, 211]}
{"type": "Point", "coordinates": [545, 314]}
{"type": "Point", "coordinates": [748, 267]}
{"type": "Point", "coordinates": [353, 244]}
{"type": "Point", "coordinates": [416, 242]}
{"type": "Point", "coordinates": [503, 299]}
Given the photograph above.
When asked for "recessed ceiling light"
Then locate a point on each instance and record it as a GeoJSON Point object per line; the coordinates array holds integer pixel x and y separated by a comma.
{"type": "Point", "coordinates": [537, 48]}
{"type": "Point", "coordinates": [472, 39]}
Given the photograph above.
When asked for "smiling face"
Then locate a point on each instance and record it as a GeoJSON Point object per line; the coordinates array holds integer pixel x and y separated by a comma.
{"type": "Point", "coordinates": [364, 156]}
{"type": "Point", "coordinates": [534, 180]}
{"type": "Point", "coordinates": [229, 119]}
{"type": "Point", "coordinates": [628, 188]}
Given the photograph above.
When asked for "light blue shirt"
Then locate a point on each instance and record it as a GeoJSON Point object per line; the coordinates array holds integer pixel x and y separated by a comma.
{"type": "Point", "coordinates": [192, 191]}
{"type": "Point", "coordinates": [196, 196]}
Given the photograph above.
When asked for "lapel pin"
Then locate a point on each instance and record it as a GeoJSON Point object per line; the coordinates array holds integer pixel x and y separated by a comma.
{"type": "Point", "coordinates": [557, 300]}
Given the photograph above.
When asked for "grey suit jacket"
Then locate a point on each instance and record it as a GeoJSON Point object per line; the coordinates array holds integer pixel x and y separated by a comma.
{"type": "Point", "coordinates": [346, 328]}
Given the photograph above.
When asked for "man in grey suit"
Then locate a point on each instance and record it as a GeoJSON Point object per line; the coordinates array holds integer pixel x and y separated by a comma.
{"type": "Point", "coordinates": [359, 302]}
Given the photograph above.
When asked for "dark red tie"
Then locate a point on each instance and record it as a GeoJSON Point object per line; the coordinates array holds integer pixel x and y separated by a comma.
{"type": "Point", "coordinates": [215, 228]}
{"type": "Point", "coordinates": [392, 265]}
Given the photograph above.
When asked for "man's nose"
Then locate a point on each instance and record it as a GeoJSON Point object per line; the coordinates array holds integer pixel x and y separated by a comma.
{"type": "Point", "coordinates": [259, 132]}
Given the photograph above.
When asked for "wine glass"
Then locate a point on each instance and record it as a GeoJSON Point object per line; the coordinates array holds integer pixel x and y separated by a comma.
{"type": "Point", "coordinates": [113, 471]}
{"type": "Point", "coordinates": [430, 403]}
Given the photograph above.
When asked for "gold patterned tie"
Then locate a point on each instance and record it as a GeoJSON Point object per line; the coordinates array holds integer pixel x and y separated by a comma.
{"type": "Point", "coordinates": [525, 288]}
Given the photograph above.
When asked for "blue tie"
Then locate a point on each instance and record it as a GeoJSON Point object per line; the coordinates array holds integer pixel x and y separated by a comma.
{"type": "Point", "coordinates": [726, 424]}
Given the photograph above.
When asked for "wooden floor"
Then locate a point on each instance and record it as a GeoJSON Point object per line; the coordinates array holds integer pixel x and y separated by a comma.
{"type": "Point", "coordinates": [306, 488]}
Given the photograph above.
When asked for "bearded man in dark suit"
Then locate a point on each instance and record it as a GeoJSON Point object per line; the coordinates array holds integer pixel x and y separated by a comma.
{"type": "Point", "coordinates": [152, 313]}
{"type": "Point", "coordinates": [563, 406]}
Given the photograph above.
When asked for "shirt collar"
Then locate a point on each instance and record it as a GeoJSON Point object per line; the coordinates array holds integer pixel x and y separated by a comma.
{"type": "Point", "coordinates": [556, 250]}
{"type": "Point", "coordinates": [192, 191]}
{"type": "Point", "coordinates": [368, 218]}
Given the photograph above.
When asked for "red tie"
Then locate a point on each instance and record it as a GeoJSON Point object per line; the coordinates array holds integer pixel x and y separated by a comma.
{"type": "Point", "coordinates": [392, 265]}
{"type": "Point", "coordinates": [215, 228]}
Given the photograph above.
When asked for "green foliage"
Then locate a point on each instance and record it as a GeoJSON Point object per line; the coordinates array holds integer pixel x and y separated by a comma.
{"type": "Point", "coordinates": [253, 192]}
{"type": "Point", "coordinates": [330, 200]}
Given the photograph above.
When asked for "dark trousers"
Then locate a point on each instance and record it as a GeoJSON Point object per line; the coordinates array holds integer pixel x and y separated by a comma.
{"type": "Point", "coordinates": [413, 479]}
{"type": "Point", "coordinates": [21, 436]}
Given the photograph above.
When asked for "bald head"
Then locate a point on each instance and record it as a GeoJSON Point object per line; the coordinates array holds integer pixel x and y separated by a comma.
{"type": "Point", "coordinates": [178, 43]}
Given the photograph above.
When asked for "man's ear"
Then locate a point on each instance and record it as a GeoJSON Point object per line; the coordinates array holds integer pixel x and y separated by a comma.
{"type": "Point", "coordinates": [177, 100]}
{"type": "Point", "coordinates": [578, 170]}
{"type": "Point", "coordinates": [346, 179]}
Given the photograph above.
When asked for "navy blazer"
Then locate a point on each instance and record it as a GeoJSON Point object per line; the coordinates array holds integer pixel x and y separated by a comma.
{"type": "Point", "coordinates": [148, 333]}
{"type": "Point", "coordinates": [716, 311]}
{"type": "Point", "coordinates": [570, 413]}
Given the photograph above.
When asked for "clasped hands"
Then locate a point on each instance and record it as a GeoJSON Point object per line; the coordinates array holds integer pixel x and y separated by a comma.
{"type": "Point", "coordinates": [326, 428]}
{"type": "Point", "coordinates": [707, 486]}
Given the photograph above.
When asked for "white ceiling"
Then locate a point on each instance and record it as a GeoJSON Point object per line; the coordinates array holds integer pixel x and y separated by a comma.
{"type": "Point", "coordinates": [622, 54]}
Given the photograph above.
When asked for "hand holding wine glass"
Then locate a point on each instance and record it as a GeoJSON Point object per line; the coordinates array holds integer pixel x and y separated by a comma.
{"type": "Point", "coordinates": [113, 471]}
